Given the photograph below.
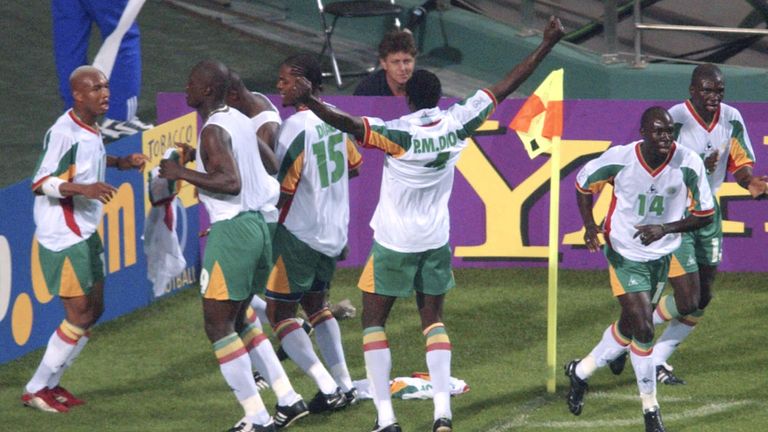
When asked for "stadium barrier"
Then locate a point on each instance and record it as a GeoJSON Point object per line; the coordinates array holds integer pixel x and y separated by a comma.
{"type": "Point", "coordinates": [28, 312]}
{"type": "Point", "coordinates": [500, 203]}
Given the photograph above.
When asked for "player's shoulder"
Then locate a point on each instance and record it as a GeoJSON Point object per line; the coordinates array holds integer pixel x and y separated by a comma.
{"type": "Point", "coordinates": [729, 112]}
{"type": "Point", "coordinates": [679, 112]}
{"type": "Point", "coordinates": [622, 151]}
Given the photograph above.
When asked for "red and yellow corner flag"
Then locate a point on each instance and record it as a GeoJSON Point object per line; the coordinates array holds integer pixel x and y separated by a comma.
{"type": "Point", "coordinates": [541, 117]}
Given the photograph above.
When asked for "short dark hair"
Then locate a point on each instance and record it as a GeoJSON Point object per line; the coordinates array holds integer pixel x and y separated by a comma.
{"type": "Point", "coordinates": [651, 114]}
{"type": "Point", "coordinates": [706, 71]}
{"type": "Point", "coordinates": [397, 41]}
{"type": "Point", "coordinates": [309, 66]}
{"type": "Point", "coordinates": [423, 89]}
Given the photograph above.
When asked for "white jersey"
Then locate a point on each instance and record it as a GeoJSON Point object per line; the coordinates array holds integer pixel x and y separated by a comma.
{"type": "Point", "coordinates": [422, 150]}
{"type": "Point", "coordinates": [271, 188]}
{"type": "Point", "coordinates": [726, 134]}
{"type": "Point", "coordinates": [645, 196]}
{"type": "Point", "coordinates": [73, 152]}
{"type": "Point", "coordinates": [253, 176]}
{"type": "Point", "coordinates": [315, 160]}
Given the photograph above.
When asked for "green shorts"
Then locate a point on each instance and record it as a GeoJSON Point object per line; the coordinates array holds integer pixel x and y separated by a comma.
{"type": "Point", "coordinates": [632, 276]}
{"type": "Point", "coordinates": [73, 271]}
{"type": "Point", "coordinates": [237, 257]}
{"type": "Point", "coordinates": [398, 274]}
{"type": "Point", "coordinates": [701, 247]}
{"type": "Point", "coordinates": [298, 268]}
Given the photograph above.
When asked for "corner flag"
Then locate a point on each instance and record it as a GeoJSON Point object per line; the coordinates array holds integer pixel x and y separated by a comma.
{"type": "Point", "coordinates": [541, 117]}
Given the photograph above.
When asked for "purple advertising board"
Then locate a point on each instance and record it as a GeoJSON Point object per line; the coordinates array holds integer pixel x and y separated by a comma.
{"type": "Point", "coordinates": [500, 202]}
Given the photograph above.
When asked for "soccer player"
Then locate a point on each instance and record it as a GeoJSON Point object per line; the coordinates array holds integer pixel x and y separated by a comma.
{"type": "Point", "coordinates": [411, 222]}
{"type": "Point", "coordinates": [397, 58]}
{"type": "Point", "coordinates": [310, 237]}
{"type": "Point", "coordinates": [652, 180]}
{"type": "Point", "coordinates": [266, 121]}
{"type": "Point", "coordinates": [716, 132]}
{"type": "Point", "coordinates": [71, 193]}
{"type": "Point", "coordinates": [228, 178]}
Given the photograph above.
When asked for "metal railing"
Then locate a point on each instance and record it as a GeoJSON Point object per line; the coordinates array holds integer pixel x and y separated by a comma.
{"type": "Point", "coordinates": [639, 61]}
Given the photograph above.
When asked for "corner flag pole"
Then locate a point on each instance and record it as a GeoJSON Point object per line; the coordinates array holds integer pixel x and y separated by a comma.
{"type": "Point", "coordinates": [539, 124]}
{"type": "Point", "coordinates": [554, 242]}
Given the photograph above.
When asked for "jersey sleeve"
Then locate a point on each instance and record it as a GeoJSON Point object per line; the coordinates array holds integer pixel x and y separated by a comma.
{"type": "Point", "coordinates": [57, 160]}
{"type": "Point", "coordinates": [291, 151]}
{"type": "Point", "coordinates": [472, 112]}
{"type": "Point", "coordinates": [741, 153]}
{"type": "Point", "coordinates": [694, 176]}
{"type": "Point", "coordinates": [597, 173]}
{"type": "Point", "coordinates": [391, 137]}
{"type": "Point", "coordinates": [354, 158]}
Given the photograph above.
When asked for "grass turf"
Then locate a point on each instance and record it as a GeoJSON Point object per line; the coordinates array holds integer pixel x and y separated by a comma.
{"type": "Point", "coordinates": [154, 370]}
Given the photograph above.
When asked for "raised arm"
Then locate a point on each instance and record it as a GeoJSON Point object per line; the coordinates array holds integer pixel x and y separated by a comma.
{"type": "Point", "coordinates": [221, 174]}
{"type": "Point", "coordinates": [553, 32]}
{"type": "Point", "coordinates": [334, 117]}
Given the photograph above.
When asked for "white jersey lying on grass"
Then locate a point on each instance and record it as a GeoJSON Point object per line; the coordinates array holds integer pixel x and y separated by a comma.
{"type": "Point", "coordinates": [315, 160]}
{"type": "Point", "coordinates": [270, 188]}
{"type": "Point", "coordinates": [726, 134]}
{"type": "Point", "coordinates": [645, 196]}
{"type": "Point", "coordinates": [253, 176]}
{"type": "Point", "coordinates": [74, 152]}
{"type": "Point", "coordinates": [422, 150]}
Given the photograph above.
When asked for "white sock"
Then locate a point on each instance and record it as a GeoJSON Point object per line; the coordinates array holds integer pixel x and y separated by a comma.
{"type": "Point", "coordinates": [328, 337]}
{"type": "Point", "coordinates": [439, 364]}
{"type": "Point", "coordinates": [606, 350]}
{"type": "Point", "coordinates": [235, 366]}
{"type": "Point", "coordinates": [378, 364]}
{"type": "Point", "coordinates": [641, 356]}
{"type": "Point", "coordinates": [56, 378]}
{"type": "Point", "coordinates": [673, 335]}
{"type": "Point", "coordinates": [264, 359]}
{"type": "Point", "coordinates": [259, 311]}
{"type": "Point", "coordinates": [298, 346]}
{"type": "Point", "coordinates": [60, 346]}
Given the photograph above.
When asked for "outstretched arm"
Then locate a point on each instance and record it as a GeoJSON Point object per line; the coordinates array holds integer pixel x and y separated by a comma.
{"type": "Point", "coordinates": [553, 32]}
{"type": "Point", "coordinates": [334, 117]}
{"type": "Point", "coordinates": [756, 185]}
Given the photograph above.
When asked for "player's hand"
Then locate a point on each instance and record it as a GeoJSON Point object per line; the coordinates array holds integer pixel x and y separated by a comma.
{"type": "Point", "coordinates": [170, 169]}
{"type": "Point", "coordinates": [591, 240]}
{"type": "Point", "coordinates": [758, 186]}
{"type": "Point", "coordinates": [649, 233]}
{"type": "Point", "coordinates": [710, 162]}
{"type": "Point", "coordinates": [99, 191]}
{"type": "Point", "coordinates": [301, 90]}
{"type": "Point", "coordinates": [554, 31]}
{"type": "Point", "coordinates": [187, 152]}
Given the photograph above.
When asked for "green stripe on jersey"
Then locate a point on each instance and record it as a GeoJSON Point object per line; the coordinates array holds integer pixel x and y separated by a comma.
{"type": "Point", "coordinates": [400, 137]}
{"type": "Point", "coordinates": [475, 122]}
{"type": "Point", "coordinates": [294, 151]}
{"type": "Point", "coordinates": [602, 174]}
{"type": "Point", "coordinates": [676, 131]}
{"type": "Point", "coordinates": [691, 179]}
{"type": "Point", "coordinates": [738, 133]}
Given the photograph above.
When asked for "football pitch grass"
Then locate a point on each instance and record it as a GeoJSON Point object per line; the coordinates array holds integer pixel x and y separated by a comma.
{"type": "Point", "coordinates": [154, 370]}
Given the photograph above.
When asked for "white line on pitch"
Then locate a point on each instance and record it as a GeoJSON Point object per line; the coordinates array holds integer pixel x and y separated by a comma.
{"type": "Point", "coordinates": [704, 411]}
